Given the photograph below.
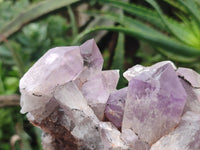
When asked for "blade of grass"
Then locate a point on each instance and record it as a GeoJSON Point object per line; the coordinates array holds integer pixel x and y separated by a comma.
{"type": "Point", "coordinates": [32, 12]}
{"type": "Point", "coordinates": [150, 16]}
{"type": "Point", "coordinates": [160, 41]}
{"type": "Point", "coordinates": [176, 5]}
{"type": "Point", "coordinates": [141, 12]}
{"type": "Point", "coordinates": [140, 26]}
{"type": "Point", "coordinates": [118, 60]}
{"type": "Point", "coordinates": [192, 8]}
{"type": "Point", "coordinates": [126, 21]}
{"type": "Point", "coordinates": [171, 28]}
{"type": "Point", "coordinates": [72, 22]}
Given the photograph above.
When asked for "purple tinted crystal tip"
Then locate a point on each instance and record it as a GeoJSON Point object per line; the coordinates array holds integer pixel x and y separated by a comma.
{"type": "Point", "coordinates": [115, 107]}
{"type": "Point", "coordinates": [155, 102]}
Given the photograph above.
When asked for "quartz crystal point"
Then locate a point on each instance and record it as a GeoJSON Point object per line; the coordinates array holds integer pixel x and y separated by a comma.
{"type": "Point", "coordinates": [115, 107]}
{"type": "Point", "coordinates": [190, 75]}
{"type": "Point", "coordinates": [97, 88]}
{"type": "Point", "coordinates": [138, 69]}
{"type": "Point", "coordinates": [185, 137]}
{"type": "Point", "coordinates": [193, 98]}
{"type": "Point", "coordinates": [191, 83]}
{"type": "Point", "coordinates": [154, 104]}
{"type": "Point", "coordinates": [57, 66]}
{"type": "Point", "coordinates": [91, 55]}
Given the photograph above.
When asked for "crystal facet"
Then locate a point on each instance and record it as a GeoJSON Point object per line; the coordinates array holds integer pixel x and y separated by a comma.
{"type": "Point", "coordinates": [115, 107]}
{"type": "Point", "coordinates": [56, 67]}
{"type": "Point", "coordinates": [185, 137]}
{"type": "Point", "coordinates": [153, 108]}
{"type": "Point", "coordinates": [190, 75]}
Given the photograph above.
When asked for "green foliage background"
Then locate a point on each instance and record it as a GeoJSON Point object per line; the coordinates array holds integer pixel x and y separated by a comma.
{"type": "Point", "coordinates": [136, 32]}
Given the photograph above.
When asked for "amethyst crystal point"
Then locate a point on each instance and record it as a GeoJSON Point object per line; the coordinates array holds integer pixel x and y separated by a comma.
{"type": "Point", "coordinates": [138, 69]}
{"type": "Point", "coordinates": [190, 75]}
{"type": "Point", "coordinates": [57, 66]}
{"type": "Point", "coordinates": [193, 98]}
{"type": "Point", "coordinates": [111, 78]}
{"type": "Point", "coordinates": [185, 137]}
{"type": "Point", "coordinates": [154, 104]}
{"type": "Point", "coordinates": [96, 90]}
{"type": "Point", "coordinates": [115, 107]}
{"type": "Point", "coordinates": [91, 55]}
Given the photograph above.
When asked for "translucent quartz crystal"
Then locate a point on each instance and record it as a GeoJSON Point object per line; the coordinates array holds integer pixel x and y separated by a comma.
{"type": "Point", "coordinates": [90, 132]}
{"type": "Point", "coordinates": [154, 104]}
{"type": "Point", "coordinates": [96, 90]}
{"type": "Point", "coordinates": [115, 107]}
{"type": "Point", "coordinates": [132, 140]}
{"type": "Point", "coordinates": [56, 67]}
{"type": "Point", "coordinates": [193, 98]}
{"type": "Point", "coordinates": [91, 55]}
{"type": "Point", "coordinates": [111, 137]}
{"type": "Point", "coordinates": [138, 69]}
{"type": "Point", "coordinates": [190, 75]}
{"type": "Point", "coordinates": [185, 137]}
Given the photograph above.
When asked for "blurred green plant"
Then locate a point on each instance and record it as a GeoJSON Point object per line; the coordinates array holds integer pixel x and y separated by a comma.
{"type": "Point", "coordinates": [178, 40]}
{"type": "Point", "coordinates": [24, 46]}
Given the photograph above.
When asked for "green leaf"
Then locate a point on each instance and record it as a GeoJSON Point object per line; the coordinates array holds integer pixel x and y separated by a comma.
{"type": "Point", "coordinates": [173, 29]}
{"type": "Point", "coordinates": [31, 13]}
{"type": "Point", "coordinates": [176, 5]}
{"type": "Point", "coordinates": [127, 21]}
{"type": "Point", "coordinates": [138, 11]}
{"type": "Point", "coordinates": [118, 59]}
{"type": "Point", "coordinates": [160, 41]}
{"type": "Point", "coordinates": [73, 22]}
{"type": "Point", "coordinates": [192, 8]}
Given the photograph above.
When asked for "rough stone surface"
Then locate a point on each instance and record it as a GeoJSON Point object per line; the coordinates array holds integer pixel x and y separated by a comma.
{"type": "Point", "coordinates": [185, 137]}
{"type": "Point", "coordinates": [153, 108]}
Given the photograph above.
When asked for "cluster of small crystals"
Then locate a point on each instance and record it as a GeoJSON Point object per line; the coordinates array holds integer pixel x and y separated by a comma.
{"type": "Point", "coordinates": [77, 105]}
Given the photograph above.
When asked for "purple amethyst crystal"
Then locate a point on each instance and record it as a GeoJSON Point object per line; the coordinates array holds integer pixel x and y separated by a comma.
{"type": "Point", "coordinates": [154, 104]}
{"type": "Point", "coordinates": [115, 107]}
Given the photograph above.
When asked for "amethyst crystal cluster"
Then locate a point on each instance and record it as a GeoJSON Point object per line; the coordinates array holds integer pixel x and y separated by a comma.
{"type": "Point", "coordinates": [77, 106]}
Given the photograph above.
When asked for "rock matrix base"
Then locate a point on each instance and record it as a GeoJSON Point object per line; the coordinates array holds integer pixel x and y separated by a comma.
{"type": "Point", "coordinates": [77, 105]}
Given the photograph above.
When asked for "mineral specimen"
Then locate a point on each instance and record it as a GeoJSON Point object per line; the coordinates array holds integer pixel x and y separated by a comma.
{"type": "Point", "coordinates": [185, 137]}
{"type": "Point", "coordinates": [154, 104]}
{"type": "Point", "coordinates": [78, 107]}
